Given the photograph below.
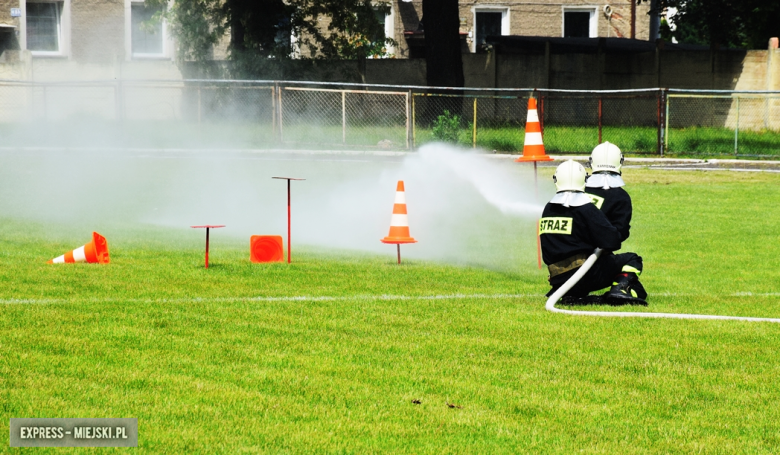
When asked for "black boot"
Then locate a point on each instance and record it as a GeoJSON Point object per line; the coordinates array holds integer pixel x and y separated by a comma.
{"type": "Point", "coordinates": [626, 289]}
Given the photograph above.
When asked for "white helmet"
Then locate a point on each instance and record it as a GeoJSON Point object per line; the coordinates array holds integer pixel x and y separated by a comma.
{"type": "Point", "coordinates": [570, 176]}
{"type": "Point", "coordinates": [606, 157]}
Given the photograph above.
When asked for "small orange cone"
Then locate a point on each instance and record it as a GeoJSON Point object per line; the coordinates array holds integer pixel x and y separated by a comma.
{"type": "Point", "coordinates": [533, 147]}
{"type": "Point", "coordinates": [94, 252]}
{"type": "Point", "coordinates": [399, 222]}
{"type": "Point", "coordinates": [266, 248]}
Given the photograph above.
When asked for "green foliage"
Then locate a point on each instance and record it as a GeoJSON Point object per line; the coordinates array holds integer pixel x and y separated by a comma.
{"type": "Point", "coordinates": [446, 127]}
{"type": "Point", "coordinates": [723, 23]}
{"type": "Point", "coordinates": [259, 30]}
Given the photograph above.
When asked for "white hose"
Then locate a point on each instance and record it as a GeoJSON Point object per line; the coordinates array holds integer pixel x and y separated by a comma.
{"type": "Point", "coordinates": [550, 306]}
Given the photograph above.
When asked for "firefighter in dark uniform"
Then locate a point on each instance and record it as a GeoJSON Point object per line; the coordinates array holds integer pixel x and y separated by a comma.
{"type": "Point", "coordinates": [570, 229]}
{"type": "Point", "coordinates": [605, 187]}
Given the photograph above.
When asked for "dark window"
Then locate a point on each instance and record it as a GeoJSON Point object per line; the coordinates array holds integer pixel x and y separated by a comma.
{"type": "Point", "coordinates": [576, 24]}
{"type": "Point", "coordinates": [147, 33]}
{"type": "Point", "coordinates": [487, 24]}
{"type": "Point", "coordinates": [43, 26]}
{"type": "Point", "coordinates": [381, 17]}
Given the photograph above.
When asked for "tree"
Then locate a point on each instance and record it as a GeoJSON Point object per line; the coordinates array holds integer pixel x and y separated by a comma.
{"type": "Point", "coordinates": [276, 28]}
{"type": "Point", "coordinates": [723, 23]}
{"type": "Point", "coordinates": [443, 61]}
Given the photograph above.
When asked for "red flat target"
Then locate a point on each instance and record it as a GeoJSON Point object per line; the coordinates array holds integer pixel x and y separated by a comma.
{"type": "Point", "coordinates": [266, 248]}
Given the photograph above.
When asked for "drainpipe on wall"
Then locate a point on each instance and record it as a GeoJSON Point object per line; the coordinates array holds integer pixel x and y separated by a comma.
{"type": "Point", "coordinates": [655, 21]}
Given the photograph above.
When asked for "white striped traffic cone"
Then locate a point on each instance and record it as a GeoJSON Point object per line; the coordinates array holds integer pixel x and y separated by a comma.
{"type": "Point", "coordinates": [94, 252]}
{"type": "Point", "coordinates": [399, 222]}
{"type": "Point", "coordinates": [533, 147]}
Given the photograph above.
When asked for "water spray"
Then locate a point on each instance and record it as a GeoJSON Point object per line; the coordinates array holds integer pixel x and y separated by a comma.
{"type": "Point", "coordinates": [574, 279]}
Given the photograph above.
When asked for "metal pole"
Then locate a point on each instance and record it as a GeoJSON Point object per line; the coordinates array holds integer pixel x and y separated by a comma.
{"type": "Point", "coordinates": [408, 118]}
{"type": "Point", "coordinates": [414, 138]}
{"type": "Point", "coordinates": [538, 237]}
{"type": "Point", "coordinates": [399, 252]}
{"type": "Point", "coordinates": [659, 133]}
{"type": "Point", "coordinates": [666, 121]}
{"type": "Point", "coordinates": [273, 112]}
{"type": "Point", "coordinates": [289, 243]}
{"type": "Point", "coordinates": [600, 121]}
{"type": "Point", "coordinates": [474, 127]}
{"type": "Point", "coordinates": [281, 115]}
{"type": "Point", "coordinates": [207, 247]}
{"type": "Point", "coordinates": [343, 117]}
{"type": "Point", "coordinates": [736, 131]}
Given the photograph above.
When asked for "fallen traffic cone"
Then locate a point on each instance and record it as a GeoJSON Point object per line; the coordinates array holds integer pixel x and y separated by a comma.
{"type": "Point", "coordinates": [94, 252]}
{"type": "Point", "coordinates": [533, 147]}
{"type": "Point", "coordinates": [266, 248]}
{"type": "Point", "coordinates": [399, 222]}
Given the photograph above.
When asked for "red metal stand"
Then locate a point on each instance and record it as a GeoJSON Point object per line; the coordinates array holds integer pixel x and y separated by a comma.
{"type": "Point", "coordinates": [289, 242]}
{"type": "Point", "coordinates": [208, 226]}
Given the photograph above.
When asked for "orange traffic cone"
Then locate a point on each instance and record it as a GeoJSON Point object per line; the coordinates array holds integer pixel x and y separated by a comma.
{"type": "Point", "coordinates": [94, 252]}
{"type": "Point", "coordinates": [533, 147]}
{"type": "Point", "coordinates": [399, 222]}
{"type": "Point", "coordinates": [266, 248]}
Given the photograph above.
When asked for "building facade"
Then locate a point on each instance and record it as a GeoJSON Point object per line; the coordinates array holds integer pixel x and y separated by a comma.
{"type": "Point", "coordinates": [108, 30]}
{"type": "Point", "coordinates": [482, 18]}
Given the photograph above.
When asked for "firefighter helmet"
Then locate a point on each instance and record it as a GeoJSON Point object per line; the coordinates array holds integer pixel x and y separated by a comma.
{"type": "Point", "coordinates": [606, 157]}
{"type": "Point", "coordinates": [570, 176]}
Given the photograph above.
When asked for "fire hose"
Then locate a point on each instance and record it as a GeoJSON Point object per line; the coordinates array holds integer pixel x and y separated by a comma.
{"type": "Point", "coordinates": [561, 291]}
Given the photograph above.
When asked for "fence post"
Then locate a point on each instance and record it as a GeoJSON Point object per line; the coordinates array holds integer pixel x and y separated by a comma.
{"type": "Point", "coordinates": [409, 137]}
{"type": "Point", "coordinates": [736, 132]}
{"type": "Point", "coordinates": [600, 99]}
{"type": "Point", "coordinates": [541, 114]}
{"type": "Point", "coordinates": [665, 148]}
{"type": "Point", "coordinates": [343, 117]}
{"type": "Point", "coordinates": [659, 124]}
{"type": "Point", "coordinates": [414, 124]}
{"type": "Point", "coordinates": [273, 112]}
{"type": "Point", "coordinates": [474, 126]}
{"type": "Point", "coordinates": [280, 116]}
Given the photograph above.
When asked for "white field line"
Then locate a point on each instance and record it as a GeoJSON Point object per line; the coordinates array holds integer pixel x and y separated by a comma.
{"type": "Point", "coordinates": [302, 298]}
{"type": "Point", "coordinates": [305, 298]}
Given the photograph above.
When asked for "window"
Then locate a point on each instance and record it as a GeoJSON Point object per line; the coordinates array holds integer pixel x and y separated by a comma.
{"type": "Point", "coordinates": [147, 34]}
{"type": "Point", "coordinates": [44, 28]}
{"type": "Point", "coordinates": [386, 20]}
{"type": "Point", "coordinates": [489, 22]}
{"type": "Point", "coordinates": [579, 23]}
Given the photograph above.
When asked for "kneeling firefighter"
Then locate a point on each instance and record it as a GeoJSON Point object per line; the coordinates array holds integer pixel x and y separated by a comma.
{"type": "Point", "coordinates": [570, 229]}
{"type": "Point", "coordinates": [605, 187]}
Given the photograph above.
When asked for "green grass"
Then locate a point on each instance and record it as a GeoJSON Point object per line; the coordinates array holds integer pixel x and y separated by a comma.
{"type": "Point", "coordinates": [210, 363]}
{"type": "Point", "coordinates": [682, 142]}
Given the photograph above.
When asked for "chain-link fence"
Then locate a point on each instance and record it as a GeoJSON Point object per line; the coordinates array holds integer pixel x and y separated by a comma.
{"type": "Point", "coordinates": [343, 117]}
{"type": "Point", "coordinates": [739, 124]}
{"type": "Point", "coordinates": [278, 114]}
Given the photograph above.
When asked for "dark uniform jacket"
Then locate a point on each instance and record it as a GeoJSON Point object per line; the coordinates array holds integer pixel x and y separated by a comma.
{"type": "Point", "coordinates": [615, 203]}
{"type": "Point", "coordinates": [568, 231]}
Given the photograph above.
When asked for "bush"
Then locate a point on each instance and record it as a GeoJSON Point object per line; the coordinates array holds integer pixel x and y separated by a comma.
{"type": "Point", "coordinates": [446, 127]}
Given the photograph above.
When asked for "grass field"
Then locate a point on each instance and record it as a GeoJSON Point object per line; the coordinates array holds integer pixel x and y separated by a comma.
{"type": "Point", "coordinates": [327, 354]}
